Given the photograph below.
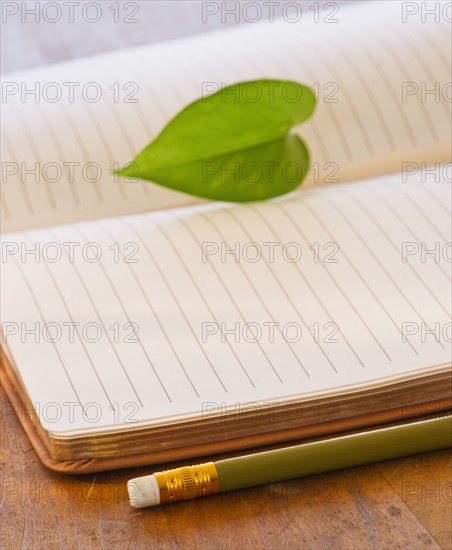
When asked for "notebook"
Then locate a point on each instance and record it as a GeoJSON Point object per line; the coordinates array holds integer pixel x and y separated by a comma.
{"type": "Point", "coordinates": [140, 325]}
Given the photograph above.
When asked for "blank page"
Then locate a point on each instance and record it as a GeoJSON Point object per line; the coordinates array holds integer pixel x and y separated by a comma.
{"type": "Point", "coordinates": [150, 318]}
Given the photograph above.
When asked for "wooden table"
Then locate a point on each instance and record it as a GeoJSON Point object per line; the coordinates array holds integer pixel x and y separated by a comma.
{"type": "Point", "coordinates": [398, 504]}
{"type": "Point", "coordinates": [404, 503]}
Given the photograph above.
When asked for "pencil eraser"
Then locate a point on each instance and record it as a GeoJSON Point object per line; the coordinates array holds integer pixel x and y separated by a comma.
{"type": "Point", "coordinates": [143, 491]}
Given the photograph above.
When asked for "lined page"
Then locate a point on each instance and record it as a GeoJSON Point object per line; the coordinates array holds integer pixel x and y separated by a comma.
{"type": "Point", "coordinates": [155, 317]}
{"type": "Point", "coordinates": [383, 99]}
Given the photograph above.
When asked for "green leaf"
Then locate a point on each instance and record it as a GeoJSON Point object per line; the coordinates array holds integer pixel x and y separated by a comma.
{"type": "Point", "coordinates": [235, 145]}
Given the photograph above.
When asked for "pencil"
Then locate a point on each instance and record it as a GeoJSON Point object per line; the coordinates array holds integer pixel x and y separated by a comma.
{"type": "Point", "coordinates": [190, 482]}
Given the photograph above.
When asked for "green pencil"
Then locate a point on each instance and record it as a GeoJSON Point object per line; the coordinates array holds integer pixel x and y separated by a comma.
{"type": "Point", "coordinates": [201, 480]}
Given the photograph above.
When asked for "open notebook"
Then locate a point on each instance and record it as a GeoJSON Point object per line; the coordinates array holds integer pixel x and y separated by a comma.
{"type": "Point", "coordinates": [131, 338]}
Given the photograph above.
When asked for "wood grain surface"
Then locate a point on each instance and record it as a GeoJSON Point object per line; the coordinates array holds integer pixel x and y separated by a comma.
{"type": "Point", "coordinates": [403, 503]}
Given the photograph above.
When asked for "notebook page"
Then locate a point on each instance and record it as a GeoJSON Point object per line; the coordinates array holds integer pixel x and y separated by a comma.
{"type": "Point", "coordinates": [156, 317]}
{"type": "Point", "coordinates": [371, 67]}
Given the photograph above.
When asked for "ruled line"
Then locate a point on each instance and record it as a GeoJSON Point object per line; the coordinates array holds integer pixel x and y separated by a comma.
{"type": "Point", "coordinates": [389, 240]}
{"type": "Point", "coordinates": [152, 310]}
{"type": "Point", "coordinates": [166, 79]}
{"type": "Point", "coordinates": [369, 94]}
{"type": "Point", "coordinates": [278, 282]}
{"type": "Point", "coordinates": [146, 127]}
{"type": "Point", "coordinates": [29, 137]}
{"type": "Point", "coordinates": [157, 102]}
{"type": "Point", "coordinates": [230, 296]}
{"type": "Point", "coordinates": [420, 211]}
{"type": "Point", "coordinates": [22, 184]}
{"type": "Point", "coordinates": [257, 294]}
{"type": "Point", "coordinates": [4, 203]}
{"type": "Point", "coordinates": [174, 297]}
{"type": "Point", "coordinates": [107, 149]}
{"type": "Point", "coordinates": [437, 201]}
{"type": "Point", "coordinates": [439, 53]}
{"type": "Point", "coordinates": [44, 322]}
{"type": "Point", "coordinates": [377, 260]}
{"type": "Point", "coordinates": [318, 134]}
{"type": "Point", "coordinates": [389, 88]}
{"type": "Point", "coordinates": [124, 309]}
{"type": "Point", "coordinates": [349, 301]}
{"type": "Point", "coordinates": [352, 264]}
{"type": "Point", "coordinates": [394, 246]}
{"type": "Point", "coordinates": [81, 143]}
{"type": "Point", "coordinates": [68, 312]}
{"type": "Point", "coordinates": [426, 64]}
{"type": "Point", "coordinates": [237, 72]}
{"type": "Point", "coordinates": [101, 322]}
{"type": "Point", "coordinates": [392, 53]}
{"type": "Point", "coordinates": [201, 295]}
{"type": "Point", "coordinates": [60, 154]}
{"type": "Point", "coordinates": [372, 191]}
{"type": "Point", "coordinates": [311, 288]}
{"type": "Point", "coordinates": [346, 93]}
